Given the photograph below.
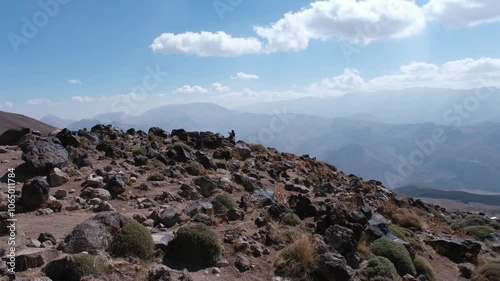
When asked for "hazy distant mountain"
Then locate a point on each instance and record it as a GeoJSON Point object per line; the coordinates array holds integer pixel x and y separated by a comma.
{"type": "Point", "coordinates": [417, 105]}
{"type": "Point", "coordinates": [430, 191]}
{"type": "Point", "coordinates": [56, 121]}
{"type": "Point", "coordinates": [13, 121]}
{"type": "Point", "coordinates": [466, 157]}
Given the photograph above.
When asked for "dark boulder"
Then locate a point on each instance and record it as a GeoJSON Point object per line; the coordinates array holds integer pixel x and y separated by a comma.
{"type": "Point", "coordinates": [13, 136]}
{"type": "Point", "coordinates": [302, 206]}
{"type": "Point", "coordinates": [95, 233]}
{"type": "Point", "coordinates": [35, 194]}
{"type": "Point", "coordinates": [42, 156]}
{"type": "Point", "coordinates": [457, 250]}
{"type": "Point", "coordinates": [68, 138]}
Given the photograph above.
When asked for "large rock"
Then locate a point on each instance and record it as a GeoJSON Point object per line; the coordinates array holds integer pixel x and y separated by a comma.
{"type": "Point", "coordinates": [457, 250]}
{"type": "Point", "coordinates": [34, 257]}
{"type": "Point", "coordinates": [159, 272]}
{"type": "Point", "coordinates": [68, 138]}
{"type": "Point", "coordinates": [42, 156]}
{"type": "Point", "coordinates": [100, 193]}
{"type": "Point", "coordinates": [162, 239]}
{"type": "Point", "coordinates": [330, 264]}
{"type": "Point", "coordinates": [341, 239]}
{"type": "Point", "coordinates": [57, 177]}
{"type": "Point", "coordinates": [34, 194]}
{"type": "Point", "coordinates": [181, 153]}
{"type": "Point", "coordinates": [13, 136]}
{"type": "Point", "coordinates": [94, 234]}
{"type": "Point", "coordinates": [302, 205]}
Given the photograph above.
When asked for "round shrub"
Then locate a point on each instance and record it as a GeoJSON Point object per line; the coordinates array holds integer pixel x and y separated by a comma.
{"type": "Point", "coordinates": [396, 253]}
{"type": "Point", "coordinates": [223, 202]}
{"type": "Point", "coordinates": [194, 168]}
{"type": "Point", "coordinates": [490, 271]}
{"type": "Point", "coordinates": [196, 245]}
{"type": "Point", "coordinates": [291, 219]}
{"type": "Point", "coordinates": [133, 240]}
{"type": "Point", "coordinates": [380, 267]}
{"type": "Point", "coordinates": [85, 265]}
{"type": "Point", "coordinates": [422, 266]}
{"type": "Point", "coordinates": [479, 232]}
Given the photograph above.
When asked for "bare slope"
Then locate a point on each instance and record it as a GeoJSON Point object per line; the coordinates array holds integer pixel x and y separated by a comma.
{"type": "Point", "coordinates": [12, 120]}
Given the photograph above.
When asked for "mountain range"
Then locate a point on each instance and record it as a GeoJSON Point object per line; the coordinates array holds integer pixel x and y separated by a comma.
{"type": "Point", "coordinates": [396, 138]}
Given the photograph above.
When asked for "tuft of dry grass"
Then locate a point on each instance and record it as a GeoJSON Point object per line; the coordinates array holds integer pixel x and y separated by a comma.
{"type": "Point", "coordinates": [406, 218]}
{"type": "Point", "coordinates": [301, 253]}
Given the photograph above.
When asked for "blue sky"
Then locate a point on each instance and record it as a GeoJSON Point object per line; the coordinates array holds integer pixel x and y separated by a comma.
{"type": "Point", "coordinates": [87, 57]}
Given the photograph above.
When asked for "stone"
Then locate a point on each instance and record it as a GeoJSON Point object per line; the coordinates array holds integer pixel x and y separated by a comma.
{"type": "Point", "coordinates": [457, 250]}
{"type": "Point", "coordinates": [57, 177]}
{"type": "Point", "coordinates": [100, 193]}
{"type": "Point", "coordinates": [242, 263]}
{"type": "Point", "coordinates": [35, 194]}
{"type": "Point", "coordinates": [95, 233]}
{"type": "Point", "coordinates": [68, 138]}
{"type": "Point", "coordinates": [13, 136]}
{"type": "Point", "coordinates": [160, 272]}
{"type": "Point", "coordinates": [61, 194]}
{"type": "Point", "coordinates": [466, 270]}
{"type": "Point", "coordinates": [42, 156]}
{"type": "Point", "coordinates": [34, 257]}
{"type": "Point", "coordinates": [296, 188]}
{"type": "Point", "coordinates": [302, 206]}
{"type": "Point", "coordinates": [44, 236]}
{"type": "Point", "coordinates": [162, 239]}
{"type": "Point", "coordinates": [340, 238]}
{"type": "Point", "coordinates": [94, 181]}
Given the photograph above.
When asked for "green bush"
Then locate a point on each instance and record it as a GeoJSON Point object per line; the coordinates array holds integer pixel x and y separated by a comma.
{"type": "Point", "coordinates": [396, 253]}
{"type": "Point", "coordinates": [490, 271]}
{"type": "Point", "coordinates": [194, 168]}
{"type": "Point", "coordinates": [196, 245]}
{"type": "Point", "coordinates": [223, 202]}
{"type": "Point", "coordinates": [141, 151]}
{"type": "Point", "coordinates": [408, 236]}
{"type": "Point", "coordinates": [380, 267]}
{"type": "Point", "coordinates": [133, 240]}
{"type": "Point", "coordinates": [291, 219]}
{"type": "Point", "coordinates": [479, 232]}
{"type": "Point", "coordinates": [422, 266]}
{"type": "Point", "coordinates": [472, 220]}
{"type": "Point", "coordinates": [85, 265]}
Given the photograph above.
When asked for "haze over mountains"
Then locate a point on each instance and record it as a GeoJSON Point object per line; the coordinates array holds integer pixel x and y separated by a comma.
{"type": "Point", "coordinates": [448, 138]}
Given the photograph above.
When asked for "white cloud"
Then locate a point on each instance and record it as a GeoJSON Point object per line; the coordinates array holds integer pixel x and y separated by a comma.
{"type": "Point", "coordinates": [244, 76]}
{"type": "Point", "coordinates": [349, 80]}
{"type": "Point", "coordinates": [75, 81]}
{"type": "Point", "coordinates": [7, 104]}
{"type": "Point", "coordinates": [459, 74]}
{"type": "Point", "coordinates": [463, 13]}
{"type": "Point", "coordinates": [82, 99]}
{"type": "Point", "coordinates": [218, 88]}
{"type": "Point", "coordinates": [347, 20]}
{"type": "Point", "coordinates": [39, 101]}
{"type": "Point", "coordinates": [205, 44]}
{"type": "Point", "coordinates": [188, 89]}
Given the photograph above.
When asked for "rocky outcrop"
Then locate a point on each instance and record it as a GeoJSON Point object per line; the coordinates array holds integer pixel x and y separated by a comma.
{"type": "Point", "coordinates": [457, 250]}
{"type": "Point", "coordinates": [42, 156]}
{"type": "Point", "coordinates": [94, 234]}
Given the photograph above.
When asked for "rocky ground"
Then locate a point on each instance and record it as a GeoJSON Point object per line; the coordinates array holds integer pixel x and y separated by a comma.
{"type": "Point", "coordinates": [274, 215]}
